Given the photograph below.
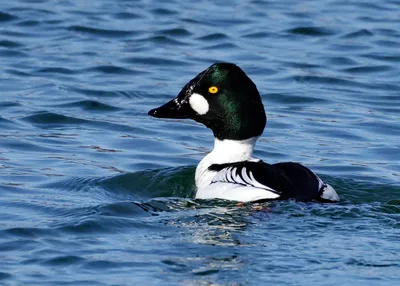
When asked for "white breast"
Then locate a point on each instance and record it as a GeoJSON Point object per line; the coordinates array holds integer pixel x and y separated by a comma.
{"type": "Point", "coordinates": [225, 151]}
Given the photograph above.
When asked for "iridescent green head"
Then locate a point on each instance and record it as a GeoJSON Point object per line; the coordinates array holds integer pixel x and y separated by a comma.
{"type": "Point", "coordinates": [224, 99]}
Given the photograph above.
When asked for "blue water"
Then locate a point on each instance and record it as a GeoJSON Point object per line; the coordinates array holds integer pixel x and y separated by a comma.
{"type": "Point", "coordinates": [95, 192]}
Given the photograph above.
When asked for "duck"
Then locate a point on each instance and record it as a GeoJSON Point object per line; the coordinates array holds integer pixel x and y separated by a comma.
{"type": "Point", "coordinates": [227, 101]}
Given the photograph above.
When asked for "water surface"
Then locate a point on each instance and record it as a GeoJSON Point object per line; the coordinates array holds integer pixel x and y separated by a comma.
{"type": "Point", "coordinates": [95, 192]}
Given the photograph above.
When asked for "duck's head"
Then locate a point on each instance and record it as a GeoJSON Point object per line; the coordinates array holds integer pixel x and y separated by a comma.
{"type": "Point", "coordinates": [224, 99]}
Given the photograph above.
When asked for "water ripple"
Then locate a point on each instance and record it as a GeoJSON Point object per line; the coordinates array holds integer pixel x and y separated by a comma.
{"type": "Point", "coordinates": [10, 44]}
{"type": "Point", "coordinates": [5, 17]}
{"type": "Point", "coordinates": [101, 32]}
{"type": "Point", "coordinates": [56, 70]}
{"type": "Point", "coordinates": [51, 118]}
{"type": "Point", "coordinates": [154, 61]}
{"type": "Point", "coordinates": [90, 105]}
{"type": "Point", "coordinates": [311, 31]}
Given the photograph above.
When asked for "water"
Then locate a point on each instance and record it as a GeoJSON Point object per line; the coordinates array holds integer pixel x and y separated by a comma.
{"type": "Point", "coordinates": [95, 192]}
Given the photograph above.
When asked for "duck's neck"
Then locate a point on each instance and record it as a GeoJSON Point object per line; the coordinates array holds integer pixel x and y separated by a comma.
{"type": "Point", "coordinates": [228, 151]}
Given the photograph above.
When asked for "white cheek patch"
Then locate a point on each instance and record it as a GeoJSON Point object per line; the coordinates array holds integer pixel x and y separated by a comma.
{"type": "Point", "coordinates": [198, 103]}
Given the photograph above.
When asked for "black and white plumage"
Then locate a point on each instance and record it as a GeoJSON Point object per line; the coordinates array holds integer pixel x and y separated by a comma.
{"type": "Point", "coordinates": [241, 173]}
{"type": "Point", "coordinates": [282, 180]}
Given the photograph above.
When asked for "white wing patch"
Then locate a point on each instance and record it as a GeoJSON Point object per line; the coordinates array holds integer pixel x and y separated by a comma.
{"type": "Point", "coordinates": [241, 176]}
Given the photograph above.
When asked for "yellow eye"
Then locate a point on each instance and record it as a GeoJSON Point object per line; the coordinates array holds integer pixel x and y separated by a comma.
{"type": "Point", "coordinates": [213, 89]}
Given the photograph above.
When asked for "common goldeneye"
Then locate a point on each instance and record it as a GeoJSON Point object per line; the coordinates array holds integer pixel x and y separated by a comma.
{"type": "Point", "coordinates": [226, 100]}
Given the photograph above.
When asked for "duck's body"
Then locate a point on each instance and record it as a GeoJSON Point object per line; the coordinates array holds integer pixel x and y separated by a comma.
{"type": "Point", "coordinates": [225, 100]}
{"type": "Point", "coordinates": [231, 172]}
